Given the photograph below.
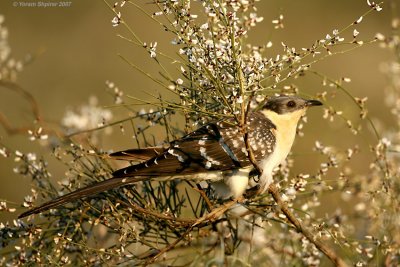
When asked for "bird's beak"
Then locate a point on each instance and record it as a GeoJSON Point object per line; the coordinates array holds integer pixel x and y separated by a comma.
{"type": "Point", "coordinates": [310, 103]}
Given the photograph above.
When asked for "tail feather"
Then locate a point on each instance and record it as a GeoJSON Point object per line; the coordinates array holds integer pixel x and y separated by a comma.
{"type": "Point", "coordinates": [138, 154]}
{"type": "Point", "coordinates": [118, 180]}
{"type": "Point", "coordinates": [82, 193]}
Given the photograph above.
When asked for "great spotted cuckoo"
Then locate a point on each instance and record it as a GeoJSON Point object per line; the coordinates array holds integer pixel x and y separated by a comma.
{"type": "Point", "coordinates": [214, 152]}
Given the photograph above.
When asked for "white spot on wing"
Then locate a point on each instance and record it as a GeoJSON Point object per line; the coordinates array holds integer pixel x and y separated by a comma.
{"type": "Point", "coordinates": [235, 143]}
{"type": "Point", "coordinates": [173, 153]}
{"type": "Point", "coordinates": [210, 160]}
{"type": "Point", "coordinates": [203, 152]}
{"type": "Point", "coordinates": [208, 164]}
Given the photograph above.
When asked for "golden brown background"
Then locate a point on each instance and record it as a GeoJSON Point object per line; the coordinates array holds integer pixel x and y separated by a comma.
{"type": "Point", "coordinates": [76, 50]}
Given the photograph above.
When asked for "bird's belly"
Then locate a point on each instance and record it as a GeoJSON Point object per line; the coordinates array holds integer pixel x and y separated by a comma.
{"type": "Point", "coordinates": [225, 183]}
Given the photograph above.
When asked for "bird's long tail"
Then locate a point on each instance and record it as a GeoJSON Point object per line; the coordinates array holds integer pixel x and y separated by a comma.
{"type": "Point", "coordinates": [84, 192]}
{"type": "Point", "coordinates": [118, 180]}
{"type": "Point", "coordinates": [137, 154]}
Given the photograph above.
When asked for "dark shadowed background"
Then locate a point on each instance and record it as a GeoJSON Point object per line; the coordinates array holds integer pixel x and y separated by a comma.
{"type": "Point", "coordinates": [76, 49]}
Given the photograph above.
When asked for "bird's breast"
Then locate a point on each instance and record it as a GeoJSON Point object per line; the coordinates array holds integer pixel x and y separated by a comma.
{"type": "Point", "coordinates": [285, 133]}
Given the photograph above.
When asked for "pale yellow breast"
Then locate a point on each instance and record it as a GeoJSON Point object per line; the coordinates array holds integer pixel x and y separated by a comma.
{"type": "Point", "coordinates": [286, 125]}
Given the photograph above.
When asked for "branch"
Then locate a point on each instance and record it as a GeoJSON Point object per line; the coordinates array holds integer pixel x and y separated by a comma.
{"type": "Point", "coordinates": [207, 218]}
{"type": "Point", "coordinates": [273, 190]}
{"type": "Point", "coordinates": [330, 253]}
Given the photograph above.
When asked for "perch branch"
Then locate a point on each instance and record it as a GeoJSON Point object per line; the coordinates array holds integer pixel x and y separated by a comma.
{"type": "Point", "coordinates": [273, 190]}
{"type": "Point", "coordinates": [330, 253]}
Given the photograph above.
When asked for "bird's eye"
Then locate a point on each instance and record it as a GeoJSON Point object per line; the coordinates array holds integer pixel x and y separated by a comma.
{"type": "Point", "coordinates": [291, 104]}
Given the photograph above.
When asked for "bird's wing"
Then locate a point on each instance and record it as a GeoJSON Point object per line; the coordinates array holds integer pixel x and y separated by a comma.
{"type": "Point", "coordinates": [214, 147]}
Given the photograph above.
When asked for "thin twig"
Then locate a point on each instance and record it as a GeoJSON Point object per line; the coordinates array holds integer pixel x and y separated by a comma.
{"type": "Point", "coordinates": [204, 196]}
{"type": "Point", "coordinates": [32, 102]}
{"type": "Point", "coordinates": [161, 216]}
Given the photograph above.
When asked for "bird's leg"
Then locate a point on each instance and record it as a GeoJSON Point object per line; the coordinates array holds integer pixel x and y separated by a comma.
{"type": "Point", "coordinates": [252, 191]}
{"type": "Point", "coordinates": [259, 182]}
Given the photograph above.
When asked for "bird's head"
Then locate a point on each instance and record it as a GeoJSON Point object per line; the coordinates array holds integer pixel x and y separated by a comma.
{"type": "Point", "coordinates": [289, 104]}
{"type": "Point", "coordinates": [287, 107]}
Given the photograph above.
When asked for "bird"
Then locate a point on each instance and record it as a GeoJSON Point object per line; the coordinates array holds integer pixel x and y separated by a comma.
{"type": "Point", "coordinates": [215, 152]}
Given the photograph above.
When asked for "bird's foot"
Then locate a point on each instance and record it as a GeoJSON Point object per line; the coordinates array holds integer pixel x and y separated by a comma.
{"type": "Point", "coordinates": [251, 192]}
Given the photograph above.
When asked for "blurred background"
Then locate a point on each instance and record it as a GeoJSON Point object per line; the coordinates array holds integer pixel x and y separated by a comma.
{"type": "Point", "coordinates": [75, 51]}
